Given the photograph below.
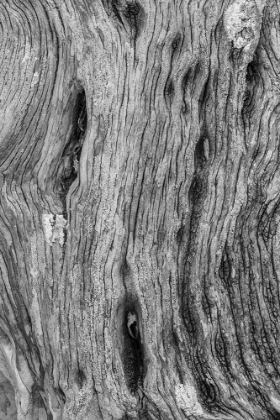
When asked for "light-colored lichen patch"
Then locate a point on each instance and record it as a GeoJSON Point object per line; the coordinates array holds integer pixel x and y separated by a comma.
{"type": "Point", "coordinates": [48, 222]}
{"type": "Point", "coordinates": [187, 399]}
{"type": "Point", "coordinates": [242, 23]}
{"type": "Point", "coordinates": [54, 227]}
{"type": "Point", "coordinates": [58, 229]}
{"type": "Point", "coordinates": [35, 79]}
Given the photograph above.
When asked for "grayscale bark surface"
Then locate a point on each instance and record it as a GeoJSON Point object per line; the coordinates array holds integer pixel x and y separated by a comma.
{"type": "Point", "coordinates": [139, 209]}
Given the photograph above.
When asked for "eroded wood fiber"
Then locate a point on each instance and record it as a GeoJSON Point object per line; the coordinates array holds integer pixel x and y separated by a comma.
{"type": "Point", "coordinates": [139, 176]}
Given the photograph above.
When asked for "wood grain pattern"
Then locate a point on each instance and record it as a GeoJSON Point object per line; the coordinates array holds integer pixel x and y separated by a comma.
{"type": "Point", "coordinates": [139, 209]}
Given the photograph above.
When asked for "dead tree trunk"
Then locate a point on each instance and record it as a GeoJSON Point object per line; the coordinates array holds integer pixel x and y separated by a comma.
{"type": "Point", "coordinates": [139, 209]}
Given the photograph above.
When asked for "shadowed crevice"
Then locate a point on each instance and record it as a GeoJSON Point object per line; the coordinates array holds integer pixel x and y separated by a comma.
{"type": "Point", "coordinates": [169, 92]}
{"type": "Point", "coordinates": [134, 15]}
{"type": "Point", "coordinates": [129, 14]}
{"type": "Point", "coordinates": [208, 390]}
{"type": "Point", "coordinates": [80, 378]}
{"type": "Point", "coordinates": [68, 168]}
{"type": "Point", "coordinates": [225, 269]}
{"type": "Point", "coordinates": [131, 350]}
{"type": "Point", "coordinates": [60, 394]}
{"type": "Point", "coordinates": [198, 188]}
{"type": "Point", "coordinates": [176, 43]}
{"type": "Point", "coordinates": [252, 81]}
{"type": "Point", "coordinates": [185, 95]}
{"type": "Point", "coordinates": [196, 197]}
{"type": "Point", "coordinates": [115, 10]}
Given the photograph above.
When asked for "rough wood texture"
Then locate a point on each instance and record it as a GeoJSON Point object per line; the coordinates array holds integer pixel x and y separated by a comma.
{"type": "Point", "coordinates": [139, 209]}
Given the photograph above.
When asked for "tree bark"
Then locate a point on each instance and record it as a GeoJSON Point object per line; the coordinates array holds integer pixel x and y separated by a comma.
{"type": "Point", "coordinates": [139, 218]}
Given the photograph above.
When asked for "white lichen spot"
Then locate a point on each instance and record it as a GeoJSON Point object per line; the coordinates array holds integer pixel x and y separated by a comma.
{"type": "Point", "coordinates": [48, 222]}
{"type": "Point", "coordinates": [58, 229]}
{"type": "Point", "coordinates": [187, 399]}
{"type": "Point", "coordinates": [26, 57]}
{"type": "Point", "coordinates": [35, 79]}
{"type": "Point", "coordinates": [54, 227]}
{"type": "Point", "coordinates": [242, 23]}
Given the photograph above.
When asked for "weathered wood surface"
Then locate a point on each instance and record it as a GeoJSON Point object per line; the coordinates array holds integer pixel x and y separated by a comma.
{"type": "Point", "coordinates": [139, 209]}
